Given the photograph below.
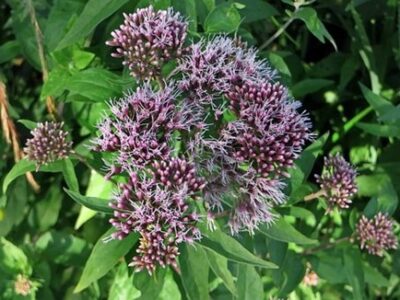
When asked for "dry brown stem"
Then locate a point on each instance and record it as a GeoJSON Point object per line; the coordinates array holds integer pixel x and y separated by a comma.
{"type": "Point", "coordinates": [11, 135]}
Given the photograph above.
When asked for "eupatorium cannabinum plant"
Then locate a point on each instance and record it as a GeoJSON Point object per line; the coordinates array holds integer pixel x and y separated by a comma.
{"type": "Point", "coordinates": [175, 157]}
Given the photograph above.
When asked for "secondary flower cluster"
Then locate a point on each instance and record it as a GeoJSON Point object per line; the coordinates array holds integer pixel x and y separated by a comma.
{"type": "Point", "coordinates": [148, 39]}
{"type": "Point", "coordinates": [337, 181]}
{"type": "Point", "coordinates": [160, 212]}
{"type": "Point", "coordinates": [376, 234]}
{"type": "Point", "coordinates": [48, 143]}
{"type": "Point", "coordinates": [163, 138]}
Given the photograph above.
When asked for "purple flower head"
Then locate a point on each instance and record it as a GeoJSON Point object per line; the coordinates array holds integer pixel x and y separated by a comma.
{"type": "Point", "coordinates": [148, 39]}
{"type": "Point", "coordinates": [338, 181]}
{"type": "Point", "coordinates": [211, 67]}
{"type": "Point", "coordinates": [256, 199]}
{"type": "Point", "coordinates": [376, 234]}
{"type": "Point", "coordinates": [141, 125]}
{"type": "Point", "coordinates": [176, 173]}
{"type": "Point", "coordinates": [248, 214]}
{"type": "Point", "coordinates": [49, 143]}
{"type": "Point", "coordinates": [162, 216]}
{"type": "Point", "coordinates": [155, 249]}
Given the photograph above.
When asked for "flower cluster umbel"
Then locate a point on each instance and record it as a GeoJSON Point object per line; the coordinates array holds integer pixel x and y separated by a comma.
{"type": "Point", "coordinates": [337, 181]}
{"type": "Point", "coordinates": [172, 153]}
{"type": "Point", "coordinates": [376, 234]}
{"type": "Point", "coordinates": [148, 39]}
{"type": "Point", "coordinates": [48, 143]}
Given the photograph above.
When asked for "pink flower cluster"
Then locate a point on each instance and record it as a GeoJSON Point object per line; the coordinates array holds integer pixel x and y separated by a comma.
{"type": "Point", "coordinates": [148, 39]}
{"type": "Point", "coordinates": [48, 143]}
{"type": "Point", "coordinates": [338, 181]}
{"type": "Point", "coordinates": [376, 234]}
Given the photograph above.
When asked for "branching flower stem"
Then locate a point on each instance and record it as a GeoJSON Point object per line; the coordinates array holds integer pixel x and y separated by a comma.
{"type": "Point", "coordinates": [328, 245]}
{"type": "Point", "coordinates": [297, 5]}
{"type": "Point", "coordinates": [315, 195]}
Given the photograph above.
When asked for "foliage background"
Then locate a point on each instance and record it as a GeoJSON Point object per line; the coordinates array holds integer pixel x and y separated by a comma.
{"type": "Point", "coordinates": [340, 58]}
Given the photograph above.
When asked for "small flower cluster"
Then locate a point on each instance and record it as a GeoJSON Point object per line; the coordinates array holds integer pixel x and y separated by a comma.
{"type": "Point", "coordinates": [310, 278]}
{"type": "Point", "coordinates": [160, 213]}
{"type": "Point", "coordinates": [148, 39]}
{"type": "Point", "coordinates": [212, 68]}
{"type": "Point", "coordinates": [376, 234]}
{"type": "Point", "coordinates": [23, 286]}
{"type": "Point", "coordinates": [338, 181]}
{"type": "Point", "coordinates": [48, 144]}
{"type": "Point", "coordinates": [163, 138]}
{"type": "Point", "coordinates": [142, 126]}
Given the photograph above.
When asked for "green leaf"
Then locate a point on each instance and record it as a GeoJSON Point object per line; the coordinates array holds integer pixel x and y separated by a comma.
{"type": "Point", "coordinates": [69, 175]}
{"type": "Point", "coordinates": [97, 204]}
{"type": "Point", "coordinates": [63, 248]}
{"type": "Point", "coordinates": [284, 232]}
{"type": "Point", "coordinates": [309, 86]}
{"type": "Point", "coordinates": [12, 259]}
{"type": "Point", "coordinates": [8, 51]}
{"type": "Point", "coordinates": [380, 130]}
{"type": "Point", "coordinates": [187, 8]}
{"type": "Point", "coordinates": [314, 24]}
{"type": "Point", "coordinates": [379, 186]}
{"type": "Point", "coordinates": [55, 84]}
{"type": "Point", "coordinates": [14, 212]}
{"type": "Point", "coordinates": [223, 18]}
{"type": "Point", "coordinates": [194, 268]}
{"type": "Point", "coordinates": [373, 276]}
{"type": "Point", "coordinates": [98, 187]}
{"type": "Point", "coordinates": [45, 212]}
{"type": "Point", "coordinates": [28, 124]}
{"type": "Point", "coordinates": [103, 257]}
{"type": "Point", "coordinates": [93, 13]}
{"type": "Point", "coordinates": [150, 286]}
{"type": "Point", "coordinates": [122, 287]}
{"type": "Point", "coordinates": [23, 166]}
{"type": "Point", "coordinates": [354, 272]}
{"type": "Point", "coordinates": [380, 105]}
{"type": "Point", "coordinates": [59, 20]}
{"type": "Point", "coordinates": [249, 284]}
{"type": "Point", "coordinates": [256, 10]}
{"type": "Point", "coordinates": [329, 266]}
{"type": "Point", "coordinates": [96, 84]}
{"type": "Point", "coordinates": [170, 289]}
{"type": "Point", "coordinates": [291, 273]}
{"type": "Point", "coordinates": [227, 246]}
{"type": "Point", "coordinates": [219, 265]}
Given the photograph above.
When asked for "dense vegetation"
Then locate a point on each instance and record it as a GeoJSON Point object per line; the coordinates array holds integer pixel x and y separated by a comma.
{"type": "Point", "coordinates": [329, 225]}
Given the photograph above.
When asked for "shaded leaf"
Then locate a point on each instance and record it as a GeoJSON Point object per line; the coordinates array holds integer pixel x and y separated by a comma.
{"type": "Point", "coordinates": [63, 248]}
{"type": "Point", "coordinates": [314, 24]}
{"type": "Point", "coordinates": [309, 86]}
{"type": "Point", "coordinates": [230, 248]}
{"type": "Point", "coordinates": [194, 268]}
{"type": "Point", "coordinates": [93, 13]}
{"type": "Point", "coordinates": [23, 166]}
{"type": "Point", "coordinates": [284, 232]}
{"type": "Point", "coordinates": [12, 259]}
{"type": "Point", "coordinates": [103, 257]}
{"type": "Point", "coordinates": [97, 204]}
{"type": "Point", "coordinates": [249, 283]}
{"type": "Point", "coordinates": [223, 18]}
{"type": "Point", "coordinates": [219, 265]}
